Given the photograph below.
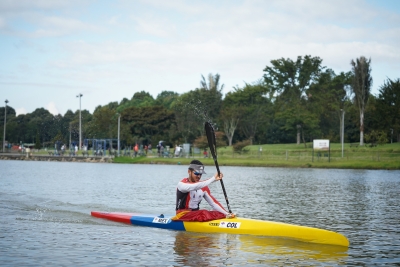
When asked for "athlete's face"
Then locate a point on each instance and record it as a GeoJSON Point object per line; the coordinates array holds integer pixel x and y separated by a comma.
{"type": "Point", "coordinates": [194, 176]}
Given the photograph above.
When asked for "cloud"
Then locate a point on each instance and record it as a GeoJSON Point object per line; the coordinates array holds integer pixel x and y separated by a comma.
{"type": "Point", "coordinates": [51, 107]}
{"type": "Point", "coordinates": [20, 111]}
{"type": "Point", "coordinates": [29, 5]}
{"type": "Point", "coordinates": [155, 45]}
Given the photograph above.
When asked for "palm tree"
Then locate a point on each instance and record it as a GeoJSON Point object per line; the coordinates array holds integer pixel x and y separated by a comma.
{"type": "Point", "coordinates": [361, 87]}
{"type": "Point", "coordinates": [210, 95]}
{"type": "Point", "coordinates": [213, 83]}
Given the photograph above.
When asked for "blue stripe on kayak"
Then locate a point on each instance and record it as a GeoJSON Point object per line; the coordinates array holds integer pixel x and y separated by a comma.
{"type": "Point", "coordinates": [164, 223]}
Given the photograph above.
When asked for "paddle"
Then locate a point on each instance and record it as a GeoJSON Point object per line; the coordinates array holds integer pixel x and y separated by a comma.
{"type": "Point", "coordinates": [213, 148]}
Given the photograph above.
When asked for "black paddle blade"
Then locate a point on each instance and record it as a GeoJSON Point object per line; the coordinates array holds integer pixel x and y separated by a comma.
{"type": "Point", "coordinates": [212, 143]}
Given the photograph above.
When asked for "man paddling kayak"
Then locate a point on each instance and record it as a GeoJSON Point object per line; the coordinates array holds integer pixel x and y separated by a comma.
{"type": "Point", "coordinates": [191, 191]}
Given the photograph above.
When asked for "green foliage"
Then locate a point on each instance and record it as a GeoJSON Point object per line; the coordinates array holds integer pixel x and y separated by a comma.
{"type": "Point", "coordinates": [104, 123]}
{"type": "Point", "coordinates": [292, 78]}
{"type": "Point", "coordinates": [377, 137]}
{"type": "Point", "coordinates": [167, 99]}
{"type": "Point", "coordinates": [151, 123]}
{"type": "Point", "coordinates": [139, 99]}
{"type": "Point", "coordinates": [58, 137]}
{"type": "Point", "coordinates": [202, 142]}
{"type": "Point", "coordinates": [240, 147]}
{"type": "Point", "coordinates": [37, 143]}
{"type": "Point", "coordinates": [388, 107]}
{"type": "Point", "coordinates": [252, 108]}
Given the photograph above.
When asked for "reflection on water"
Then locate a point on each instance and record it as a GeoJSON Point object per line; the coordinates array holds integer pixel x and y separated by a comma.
{"type": "Point", "coordinates": [199, 249]}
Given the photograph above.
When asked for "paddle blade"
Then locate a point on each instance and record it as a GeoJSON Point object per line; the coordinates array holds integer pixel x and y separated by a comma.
{"type": "Point", "coordinates": [212, 143]}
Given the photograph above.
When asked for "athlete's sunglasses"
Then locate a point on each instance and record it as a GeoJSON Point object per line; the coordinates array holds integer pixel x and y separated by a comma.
{"type": "Point", "coordinates": [197, 173]}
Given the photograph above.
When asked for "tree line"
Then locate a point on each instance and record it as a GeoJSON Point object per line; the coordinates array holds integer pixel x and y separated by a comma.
{"type": "Point", "coordinates": [294, 101]}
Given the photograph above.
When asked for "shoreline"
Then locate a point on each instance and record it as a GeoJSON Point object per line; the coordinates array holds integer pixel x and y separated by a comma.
{"type": "Point", "coordinates": [248, 162]}
{"type": "Point", "coordinates": [30, 157]}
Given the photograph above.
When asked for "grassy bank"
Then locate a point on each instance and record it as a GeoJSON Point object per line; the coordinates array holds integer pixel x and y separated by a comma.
{"type": "Point", "coordinates": [292, 155]}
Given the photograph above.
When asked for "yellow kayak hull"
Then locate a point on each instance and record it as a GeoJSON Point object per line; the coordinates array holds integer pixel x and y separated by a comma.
{"type": "Point", "coordinates": [268, 228]}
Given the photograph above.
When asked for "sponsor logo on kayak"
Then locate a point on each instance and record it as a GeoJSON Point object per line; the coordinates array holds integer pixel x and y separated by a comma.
{"type": "Point", "coordinates": [234, 225]}
{"type": "Point", "coordinates": [214, 224]}
{"type": "Point", "coordinates": [160, 220]}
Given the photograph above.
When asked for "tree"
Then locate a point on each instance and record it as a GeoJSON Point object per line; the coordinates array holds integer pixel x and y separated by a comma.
{"type": "Point", "coordinates": [195, 107]}
{"type": "Point", "coordinates": [210, 95]}
{"type": "Point", "coordinates": [289, 81]}
{"type": "Point", "coordinates": [252, 104]}
{"type": "Point", "coordinates": [327, 97]}
{"type": "Point", "coordinates": [202, 141]}
{"type": "Point", "coordinates": [139, 99]}
{"type": "Point", "coordinates": [388, 107]}
{"type": "Point", "coordinates": [167, 99]}
{"type": "Point", "coordinates": [291, 78]}
{"type": "Point", "coordinates": [149, 123]}
{"type": "Point", "coordinates": [361, 86]}
{"type": "Point", "coordinates": [104, 123]}
{"type": "Point", "coordinates": [230, 116]}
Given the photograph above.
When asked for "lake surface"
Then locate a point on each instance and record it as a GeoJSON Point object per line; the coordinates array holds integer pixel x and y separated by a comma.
{"type": "Point", "coordinates": [45, 216]}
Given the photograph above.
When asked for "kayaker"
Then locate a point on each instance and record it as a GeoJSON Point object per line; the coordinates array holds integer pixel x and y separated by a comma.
{"type": "Point", "coordinates": [191, 191]}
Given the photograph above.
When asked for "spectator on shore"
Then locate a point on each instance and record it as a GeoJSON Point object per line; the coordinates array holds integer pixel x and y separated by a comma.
{"type": "Point", "coordinates": [136, 148]}
{"type": "Point", "coordinates": [177, 150]}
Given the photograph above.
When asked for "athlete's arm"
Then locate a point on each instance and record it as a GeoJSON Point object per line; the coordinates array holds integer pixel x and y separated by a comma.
{"type": "Point", "coordinates": [213, 202]}
{"type": "Point", "coordinates": [187, 187]}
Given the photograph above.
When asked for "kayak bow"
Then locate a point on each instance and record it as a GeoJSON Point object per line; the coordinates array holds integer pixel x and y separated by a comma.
{"type": "Point", "coordinates": [231, 226]}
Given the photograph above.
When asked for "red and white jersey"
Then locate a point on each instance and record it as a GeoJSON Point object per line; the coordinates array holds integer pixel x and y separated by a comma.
{"type": "Point", "coordinates": [189, 195]}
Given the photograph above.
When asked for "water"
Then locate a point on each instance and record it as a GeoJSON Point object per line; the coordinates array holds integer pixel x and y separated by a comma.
{"type": "Point", "coordinates": [45, 216]}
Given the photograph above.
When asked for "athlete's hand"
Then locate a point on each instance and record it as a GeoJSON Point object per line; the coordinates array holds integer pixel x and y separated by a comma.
{"type": "Point", "coordinates": [230, 215]}
{"type": "Point", "coordinates": [217, 178]}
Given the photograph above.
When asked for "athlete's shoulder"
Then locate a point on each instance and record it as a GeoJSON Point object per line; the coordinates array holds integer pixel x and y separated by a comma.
{"type": "Point", "coordinates": [206, 189]}
{"type": "Point", "coordinates": [185, 180]}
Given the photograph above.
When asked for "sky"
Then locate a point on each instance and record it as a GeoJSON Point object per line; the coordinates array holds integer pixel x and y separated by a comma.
{"type": "Point", "coordinates": [51, 51]}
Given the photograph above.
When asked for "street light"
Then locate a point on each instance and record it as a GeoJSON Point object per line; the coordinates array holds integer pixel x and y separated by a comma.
{"type": "Point", "coordinates": [80, 122]}
{"type": "Point", "coordinates": [119, 117]}
{"type": "Point", "coordinates": [342, 130]}
{"type": "Point", "coordinates": [5, 120]}
{"type": "Point", "coordinates": [391, 135]}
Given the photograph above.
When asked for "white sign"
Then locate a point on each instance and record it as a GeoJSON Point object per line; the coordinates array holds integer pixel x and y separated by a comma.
{"type": "Point", "coordinates": [160, 220]}
{"type": "Point", "coordinates": [234, 225]}
{"type": "Point", "coordinates": [322, 144]}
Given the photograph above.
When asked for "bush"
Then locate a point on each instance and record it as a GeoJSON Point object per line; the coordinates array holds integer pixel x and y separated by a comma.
{"type": "Point", "coordinates": [376, 137]}
{"type": "Point", "coordinates": [239, 147]}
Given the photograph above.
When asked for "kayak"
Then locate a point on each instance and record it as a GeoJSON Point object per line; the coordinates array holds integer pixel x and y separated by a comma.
{"type": "Point", "coordinates": [230, 226]}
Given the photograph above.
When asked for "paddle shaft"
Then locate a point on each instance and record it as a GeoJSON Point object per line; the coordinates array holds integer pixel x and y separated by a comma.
{"type": "Point", "coordinates": [212, 143]}
{"type": "Point", "coordinates": [222, 184]}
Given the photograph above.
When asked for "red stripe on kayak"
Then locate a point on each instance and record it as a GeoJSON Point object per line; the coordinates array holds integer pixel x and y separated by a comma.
{"type": "Point", "coordinates": [114, 216]}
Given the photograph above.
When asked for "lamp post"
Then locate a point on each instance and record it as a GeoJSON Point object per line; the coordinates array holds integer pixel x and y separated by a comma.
{"type": "Point", "coordinates": [80, 122]}
{"type": "Point", "coordinates": [5, 121]}
{"type": "Point", "coordinates": [69, 136]}
{"type": "Point", "coordinates": [391, 135]}
{"type": "Point", "coordinates": [342, 130]}
{"type": "Point", "coordinates": [119, 117]}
